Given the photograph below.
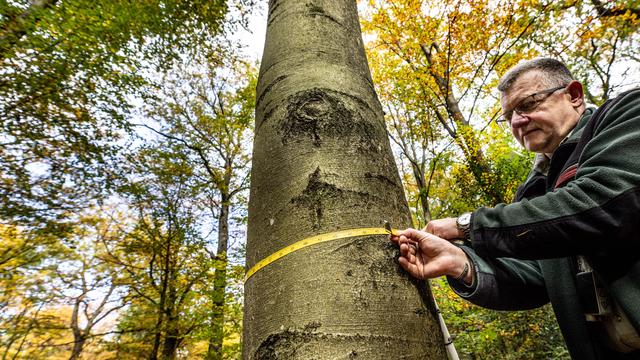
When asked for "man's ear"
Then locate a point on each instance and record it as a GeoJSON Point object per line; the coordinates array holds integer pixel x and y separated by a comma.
{"type": "Point", "coordinates": [574, 89]}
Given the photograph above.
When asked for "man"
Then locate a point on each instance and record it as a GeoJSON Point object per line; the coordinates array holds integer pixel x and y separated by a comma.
{"type": "Point", "coordinates": [572, 235]}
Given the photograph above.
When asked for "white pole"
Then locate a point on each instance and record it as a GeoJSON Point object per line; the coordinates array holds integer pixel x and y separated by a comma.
{"type": "Point", "coordinates": [448, 341]}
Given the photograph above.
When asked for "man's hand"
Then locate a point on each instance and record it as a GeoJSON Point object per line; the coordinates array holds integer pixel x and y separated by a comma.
{"type": "Point", "coordinates": [427, 256]}
{"type": "Point", "coordinates": [446, 228]}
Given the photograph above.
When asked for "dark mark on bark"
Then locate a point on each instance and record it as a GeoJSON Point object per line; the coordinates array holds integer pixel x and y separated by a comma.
{"type": "Point", "coordinates": [282, 345]}
{"type": "Point", "coordinates": [286, 343]}
{"type": "Point", "coordinates": [307, 113]}
{"type": "Point", "coordinates": [349, 273]}
{"type": "Point", "coordinates": [321, 113]}
{"type": "Point", "coordinates": [313, 196]}
{"type": "Point", "coordinates": [420, 311]}
{"type": "Point", "coordinates": [315, 11]}
{"type": "Point", "coordinates": [312, 326]}
{"type": "Point", "coordinates": [266, 70]}
{"type": "Point", "coordinates": [273, 5]}
{"type": "Point", "coordinates": [381, 178]}
{"type": "Point", "coordinates": [353, 354]}
{"type": "Point", "coordinates": [269, 87]}
{"type": "Point", "coordinates": [319, 192]}
{"type": "Point", "coordinates": [362, 301]}
{"type": "Point", "coordinates": [265, 117]}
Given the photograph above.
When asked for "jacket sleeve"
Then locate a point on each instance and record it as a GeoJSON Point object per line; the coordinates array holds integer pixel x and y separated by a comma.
{"type": "Point", "coordinates": [597, 213]}
{"type": "Point", "coordinates": [503, 284]}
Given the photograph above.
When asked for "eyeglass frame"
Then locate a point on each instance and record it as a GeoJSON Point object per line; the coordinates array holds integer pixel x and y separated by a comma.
{"type": "Point", "coordinates": [514, 109]}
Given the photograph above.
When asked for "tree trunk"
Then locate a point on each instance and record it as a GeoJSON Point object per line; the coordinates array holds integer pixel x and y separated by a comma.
{"type": "Point", "coordinates": [170, 343]}
{"type": "Point", "coordinates": [172, 321]}
{"type": "Point", "coordinates": [78, 345]}
{"type": "Point", "coordinates": [322, 162]}
{"type": "Point", "coordinates": [78, 336]}
{"type": "Point", "coordinates": [162, 304]}
{"type": "Point", "coordinates": [464, 136]}
{"type": "Point", "coordinates": [423, 188]}
{"type": "Point", "coordinates": [214, 352]}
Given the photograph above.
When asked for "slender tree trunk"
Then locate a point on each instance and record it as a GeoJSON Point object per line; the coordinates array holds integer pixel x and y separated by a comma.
{"type": "Point", "coordinates": [464, 136]}
{"type": "Point", "coordinates": [78, 345]}
{"type": "Point", "coordinates": [421, 182]}
{"type": "Point", "coordinates": [322, 162]}
{"type": "Point", "coordinates": [162, 305]}
{"type": "Point", "coordinates": [172, 322]}
{"type": "Point", "coordinates": [78, 338]}
{"type": "Point", "coordinates": [158, 335]}
{"type": "Point", "coordinates": [170, 343]}
{"type": "Point", "coordinates": [214, 352]}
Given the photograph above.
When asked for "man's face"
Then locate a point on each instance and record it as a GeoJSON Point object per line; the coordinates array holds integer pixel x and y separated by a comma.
{"type": "Point", "coordinates": [543, 128]}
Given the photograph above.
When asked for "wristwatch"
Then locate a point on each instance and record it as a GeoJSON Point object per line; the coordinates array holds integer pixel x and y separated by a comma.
{"type": "Point", "coordinates": [464, 225]}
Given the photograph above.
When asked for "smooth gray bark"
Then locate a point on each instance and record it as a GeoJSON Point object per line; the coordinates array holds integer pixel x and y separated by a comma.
{"type": "Point", "coordinates": [322, 162]}
{"type": "Point", "coordinates": [216, 340]}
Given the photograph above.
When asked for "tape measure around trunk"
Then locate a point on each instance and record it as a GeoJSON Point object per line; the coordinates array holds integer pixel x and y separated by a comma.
{"type": "Point", "coordinates": [316, 240]}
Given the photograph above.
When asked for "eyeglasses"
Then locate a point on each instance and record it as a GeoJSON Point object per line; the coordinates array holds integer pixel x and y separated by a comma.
{"type": "Point", "coordinates": [528, 104]}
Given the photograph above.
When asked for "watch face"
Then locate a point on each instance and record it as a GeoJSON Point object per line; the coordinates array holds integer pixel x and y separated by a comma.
{"type": "Point", "coordinates": [464, 219]}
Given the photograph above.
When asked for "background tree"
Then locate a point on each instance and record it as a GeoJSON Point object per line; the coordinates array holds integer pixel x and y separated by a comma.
{"type": "Point", "coordinates": [71, 74]}
{"type": "Point", "coordinates": [208, 114]}
{"type": "Point", "coordinates": [599, 42]}
{"type": "Point", "coordinates": [88, 284]}
{"type": "Point", "coordinates": [163, 256]}
{"type": "Point", "coordinates": [54, 301]}
{"type": "Point", "coordinates": [431, 56]}
{"type": "Point", "coordinates": [25, 269]}
{"type": "Point", "coordinates": [66, 70]}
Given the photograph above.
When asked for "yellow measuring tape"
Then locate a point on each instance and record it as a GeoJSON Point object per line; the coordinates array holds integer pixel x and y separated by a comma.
{"type": "Point", "coordinates": [316, 240]}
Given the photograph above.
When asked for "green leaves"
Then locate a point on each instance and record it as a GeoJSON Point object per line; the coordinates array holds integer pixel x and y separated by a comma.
{"type": "Point", "coordinates": [74, 77]}
{"type": "Point", "coordinates": [488, 334]}
{"type": "Point", "coordinates": [68, 70]}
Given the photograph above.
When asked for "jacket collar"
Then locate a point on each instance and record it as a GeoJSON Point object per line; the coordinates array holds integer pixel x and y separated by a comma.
{"type": "Point", "coordinates": [541, 161]}
{"type": "Point", "coordinates": [576, 133]}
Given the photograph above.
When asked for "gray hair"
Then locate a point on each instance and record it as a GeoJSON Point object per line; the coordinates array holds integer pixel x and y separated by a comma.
{"type": "Point", "coordinates": [552, 71]}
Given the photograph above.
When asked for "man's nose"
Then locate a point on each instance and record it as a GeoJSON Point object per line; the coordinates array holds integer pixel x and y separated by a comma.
{"type": "Point", "coordinates": [518, 121]}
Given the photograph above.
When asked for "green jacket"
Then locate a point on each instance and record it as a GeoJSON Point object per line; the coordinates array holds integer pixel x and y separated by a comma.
{"type": "Point", "coordinates": [524, 252]}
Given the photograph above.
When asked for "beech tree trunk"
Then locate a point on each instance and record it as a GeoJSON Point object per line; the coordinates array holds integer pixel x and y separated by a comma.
{"type": "Point", "coordinates": [171, 340]}
{"type": "Point", "coordinates": [216, 340]}
{"type": "Point", "coordinates": [322, 163]}
{"type": "Point", "coordinates": [78, 345]}
{"type": "Point", "coordinates": [78, 335]}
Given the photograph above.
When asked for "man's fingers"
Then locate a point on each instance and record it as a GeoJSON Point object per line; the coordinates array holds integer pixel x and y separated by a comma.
{"type": "Point", "coordinates": [410, 235]}
{"type": "Point", "coordinates": [394, 238]}
{"type": "Point", "coordinates": [404, 249]}
{"type": "Point", "coordinates": [424, 255]}
{"type": "Point", "coordinates": [408, 251]}
{"type": "Point", "coordinates": [419, 270]}
{"type": "Point", "coordinates": [409, 267]}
